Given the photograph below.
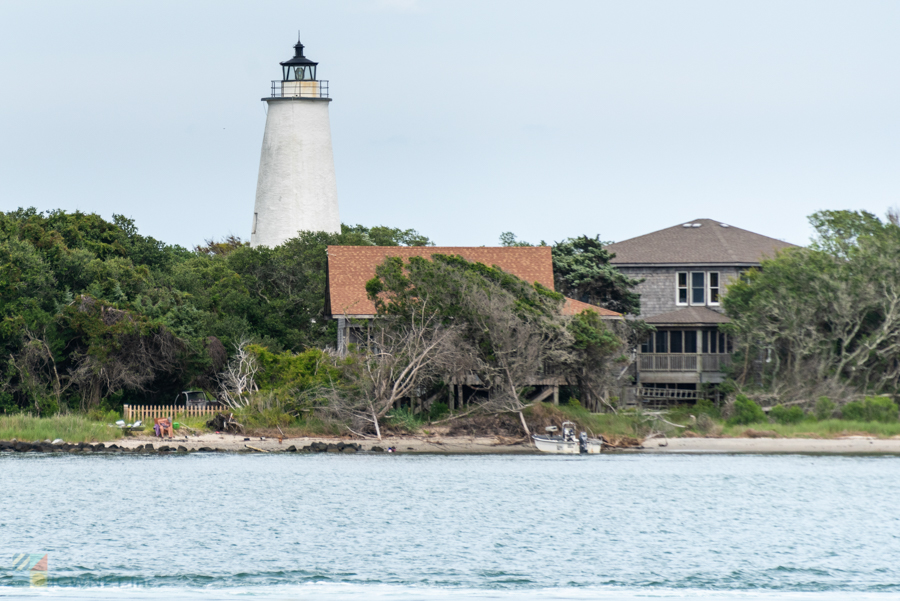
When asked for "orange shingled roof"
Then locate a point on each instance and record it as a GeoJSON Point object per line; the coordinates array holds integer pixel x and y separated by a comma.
{"type": "Point", "coordinates": [350, 267]}
{"type": "Point", "coordinates": [574, 307]}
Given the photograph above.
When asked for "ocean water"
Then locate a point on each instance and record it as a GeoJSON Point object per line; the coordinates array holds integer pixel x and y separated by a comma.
{"type": "Point", "coordinates": [451, 527]}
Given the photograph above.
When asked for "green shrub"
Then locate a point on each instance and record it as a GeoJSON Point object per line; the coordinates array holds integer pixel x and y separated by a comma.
{"type": "Point", "coordinates": [746, 412]}
{"type": "Point", "coordinates": [289, 372]}
{"type": "Point", "coordinates": [404, 419]}
{"type": "Point", "coordinates": [726, 388]}
{"type": "Point", "coordinates": [574, 403]}
{"type": "Point", "coordinates": [824, 408]}
{"type": "Point", "coordinates": [109, 417]}
{"type": "Point", "coordinates": [707, 407]}
{"type": "Point", "coordinates": [787, 415]}
{"type": "Point", "coordinates": [854, 411]}
{"type": "Point", "coordinates": [437, 411]}
{"type": "Point", "coordinates": [872, 409]}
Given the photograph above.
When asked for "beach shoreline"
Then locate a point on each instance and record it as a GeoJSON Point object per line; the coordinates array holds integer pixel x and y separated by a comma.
{"type": "Point", "coordinates": [477, 445]}
{"type": "Point", "coordinates": [493, 445]}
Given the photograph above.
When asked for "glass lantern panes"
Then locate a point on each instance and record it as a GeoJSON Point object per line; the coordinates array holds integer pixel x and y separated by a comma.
{"type": "Point", "coordinates": [299, 73]}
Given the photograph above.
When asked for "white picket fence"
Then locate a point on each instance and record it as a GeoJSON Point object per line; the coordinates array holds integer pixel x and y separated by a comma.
{"type": "Point", "coordinates": [148, 413]}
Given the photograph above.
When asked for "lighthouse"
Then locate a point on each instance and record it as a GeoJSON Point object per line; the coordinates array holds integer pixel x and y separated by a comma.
{"type": "Point", "coordinates": [296, 190]}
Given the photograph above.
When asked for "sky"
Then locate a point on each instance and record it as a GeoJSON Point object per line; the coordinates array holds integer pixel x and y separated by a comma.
{"type": "Point", "coordinates": [461, 119]}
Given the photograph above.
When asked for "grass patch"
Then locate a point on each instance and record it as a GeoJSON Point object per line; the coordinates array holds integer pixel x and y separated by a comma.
{"type": "Point", "coordinates": [405, 420]}
{"type": "Point", "coordinates": [71, 428]}
{"type": "Point", "coordinates": [637, 424]}
{"type": "Point", "coordinates": [829, 428]}
{"type": "Point", "coordinates": [611, 425]}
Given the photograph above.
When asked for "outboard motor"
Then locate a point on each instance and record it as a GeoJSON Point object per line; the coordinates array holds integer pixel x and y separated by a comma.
{"type": "Point", "coordinates": [582, 443]}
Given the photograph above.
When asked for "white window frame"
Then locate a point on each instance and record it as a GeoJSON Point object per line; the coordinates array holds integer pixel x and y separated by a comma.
{"type": "Point", "coordinates": [710, 287]}
{"type": "Point", "coordinates": [678, 288]}
{"type": "Point", "coordinates": [691, 289]}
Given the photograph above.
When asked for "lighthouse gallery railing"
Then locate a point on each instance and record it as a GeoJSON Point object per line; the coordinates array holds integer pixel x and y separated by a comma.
{"type": "Point", "coordinates": [300, 89]}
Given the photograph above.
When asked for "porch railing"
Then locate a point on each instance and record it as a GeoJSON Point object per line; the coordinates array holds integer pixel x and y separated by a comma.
{"type": "Point", "coordinates": [683, 362]}
{"type": "Point", "coordinates": [646, 394]}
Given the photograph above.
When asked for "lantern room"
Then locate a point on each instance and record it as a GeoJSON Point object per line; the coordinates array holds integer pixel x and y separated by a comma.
{"type": "Point", "coordinates": [299, 68]}
{"type": "Point", "coordinates": [299, 78]}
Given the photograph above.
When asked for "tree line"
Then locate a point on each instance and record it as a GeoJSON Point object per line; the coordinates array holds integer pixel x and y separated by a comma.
{"type": "Point", "coordinates": [94, 314]}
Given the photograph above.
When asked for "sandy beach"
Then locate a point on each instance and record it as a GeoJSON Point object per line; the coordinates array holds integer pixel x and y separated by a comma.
{"type": "Point", "coordinates": [845, 445]}
{"type": "Point", "coordinates": [493, 445]}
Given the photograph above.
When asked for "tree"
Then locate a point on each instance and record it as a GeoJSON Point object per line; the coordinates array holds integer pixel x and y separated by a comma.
{"type": "Point", "coordinates": [211, 246]}
{"type": "Point", "coordinates": [837, 232]}
{"type": "Point", "coordinates": [385, 236]}
{"type": "Point", "coordinates": [595, 351]}
{"type": "Point", "coordinates": [115, 349]}
{"type": "Point", "coordinates": [238, 381]}
{"type": "Point", "coordinates": [38, 376]}
{"type": "Point", "coordinates": [509, 239]}
{"type": "Point", "coordinates": [159, 317]}
{"type": "Point", "coordinates": [510, 331]}
{"type": "Point", "coordinates": [407, 354]}
{"type": "Point", "coordinates": [582, 270]}
{"type": "Point", "coordinates": [825, 319]}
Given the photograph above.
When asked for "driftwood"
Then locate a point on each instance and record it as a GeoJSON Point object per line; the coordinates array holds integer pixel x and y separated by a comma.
{"type": "Point", "coordinates": [256, 449]}
{"type": "Point", "coordinates": [223, 422]}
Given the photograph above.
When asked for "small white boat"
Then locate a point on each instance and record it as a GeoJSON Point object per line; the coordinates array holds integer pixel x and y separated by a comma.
{"type": "Point", "coordinates": [567, 444]}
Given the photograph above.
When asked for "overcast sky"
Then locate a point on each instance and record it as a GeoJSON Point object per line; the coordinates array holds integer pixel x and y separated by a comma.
{"type": "Point", "coordinates": [460, 118]}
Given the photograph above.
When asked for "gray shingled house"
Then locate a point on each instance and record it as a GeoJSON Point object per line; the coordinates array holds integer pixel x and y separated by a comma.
{"type": "Point", "coordinates": [685, 270]}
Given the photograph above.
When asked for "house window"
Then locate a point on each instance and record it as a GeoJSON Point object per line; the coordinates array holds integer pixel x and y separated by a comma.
{"type": "Point", "coordinates": [713, 288]}
{"type": "Point", "coordinates": [662, 340]}
{"type": "Point", "coordinates": [716, 342]}
{"type": "Point", "coordinates": [676, 342]}
{"type": "Point", "coordinates": [682, 288]}
{"type": "Point", "coordinates": [709, 341]}
{"type": "Point", "coordinates": [690, 341]}
{"type": "Point", "coordinates": [698, 287]}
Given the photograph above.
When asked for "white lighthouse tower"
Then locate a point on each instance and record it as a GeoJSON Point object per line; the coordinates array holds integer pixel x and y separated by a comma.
{"type": "Point", "coordinates": [296, 190]}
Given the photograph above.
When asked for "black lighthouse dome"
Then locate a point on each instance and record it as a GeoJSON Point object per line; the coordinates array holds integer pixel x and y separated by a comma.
{"type": "Point", "coordinates": [299, 68]}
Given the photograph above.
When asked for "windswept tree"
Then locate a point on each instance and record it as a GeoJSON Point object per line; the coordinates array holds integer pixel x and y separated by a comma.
{"type": "Point", "coordinates": [469, 321]}
{"type": "Point", "coordinates": [407, 354]}
{"type": "Point", "coordinates": [511, 327]}
{"type": "Point", "coordinates": [825, 318]}
{"type": "Point", "coordinates": [582, 270]}
{"type": "Point", "coordinates": [115, 350]}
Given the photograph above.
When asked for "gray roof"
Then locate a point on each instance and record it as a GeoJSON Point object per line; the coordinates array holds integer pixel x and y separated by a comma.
{"type": "Point", "coordinates": [689, 316]}
{"type": "Point", "coordinates": [710, 243]}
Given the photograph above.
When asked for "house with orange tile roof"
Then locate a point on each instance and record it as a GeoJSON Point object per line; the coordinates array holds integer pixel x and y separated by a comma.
{"type": "Point", "coordinates": [350, 267]}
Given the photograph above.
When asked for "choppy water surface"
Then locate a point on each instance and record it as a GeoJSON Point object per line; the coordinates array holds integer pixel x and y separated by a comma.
{"type": "Point", "coordinates": [436, 527]}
